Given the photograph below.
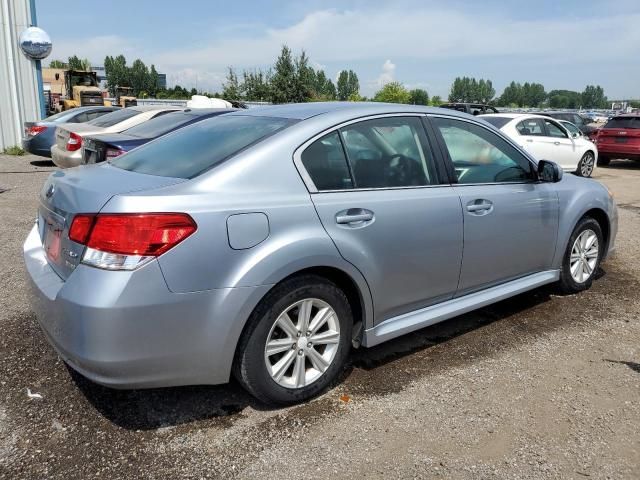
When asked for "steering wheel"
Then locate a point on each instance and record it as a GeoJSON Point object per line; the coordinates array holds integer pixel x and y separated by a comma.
{"type": "Point", "coordinates": [402, 174]}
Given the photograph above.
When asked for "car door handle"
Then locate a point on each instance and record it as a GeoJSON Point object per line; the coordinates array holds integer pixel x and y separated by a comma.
{"type": "Point", "coordinates": [354, 215]}
{"type": "Point", "coordinates": [556, 143]}
{"type": "Point", "coordinates": [479, 207]}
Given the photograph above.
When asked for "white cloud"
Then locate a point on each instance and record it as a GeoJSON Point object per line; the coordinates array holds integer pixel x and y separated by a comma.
{"type": "Point", "coordinates": [388, 73]}
{"type": "Point", "coordinates": [419, 34]}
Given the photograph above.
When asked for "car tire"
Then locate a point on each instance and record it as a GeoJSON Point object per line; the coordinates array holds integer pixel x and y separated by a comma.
{"type": "Point", "coordinates": [263, 372]}
{"type": "Point", "coordinates": [581, 260]}
{"type": "Point", "coordinates": [586, 165]}
{"type": "Point", "coordinates": [603, 161]}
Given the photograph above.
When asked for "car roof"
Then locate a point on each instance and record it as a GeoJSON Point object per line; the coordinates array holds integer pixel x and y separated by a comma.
{"type": "Point", "coordinates": [303, 111]}
{"type": "Point", "coordinates": [513, 115]}
{"type": "Point", "coordinates": [147, 108]}
{"type": "Point", "coordinates": [197, 112]}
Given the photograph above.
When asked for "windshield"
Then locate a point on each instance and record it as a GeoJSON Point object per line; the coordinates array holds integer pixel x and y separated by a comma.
{"type": "Point", "coordinates": [199, 147]}
{"type": "Point", "coordinates": [497, 122]}
{"type": "Point", "coordinates": [159, 125]}
{"type": "Point", "coordinates": [112, 118]}
{"type": "Point", "coordinates": [623, 122]}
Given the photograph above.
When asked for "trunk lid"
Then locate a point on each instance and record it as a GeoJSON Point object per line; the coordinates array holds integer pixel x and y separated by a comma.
{"type": "Point", "coordinates": [82, 190]}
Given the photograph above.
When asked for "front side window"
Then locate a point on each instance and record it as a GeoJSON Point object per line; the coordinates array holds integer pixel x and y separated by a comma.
{"type": "Point", "coordinates": [325, 162]}
{"type": "Point", "coordinates": [572, 128]}
{"type": "Point", "coordinates": [531, 127]}
{"type": "Point", "coordinates": [481, 156]}
{"type": "Point", "coordinates": [554, 129]}
{"type": "Point", "coordinates": [389, 152]}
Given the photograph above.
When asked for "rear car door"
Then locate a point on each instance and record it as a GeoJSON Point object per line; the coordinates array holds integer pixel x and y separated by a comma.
{"type": "Point", "coordinates": [531, 138]}
{"type": "Point", "coordinates": [376, 189]}
{"type": "Point", "coordinates": [510, 219]}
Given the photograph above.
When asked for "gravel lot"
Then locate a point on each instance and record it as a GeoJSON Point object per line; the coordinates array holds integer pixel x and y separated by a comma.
{"type": "Point", "coordinates": [538, 386]}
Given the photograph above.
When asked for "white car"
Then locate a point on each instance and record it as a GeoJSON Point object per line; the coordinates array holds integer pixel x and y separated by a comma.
{"type": "Point", "coordinates": [549, 139]}
{"type": "Point", "coordinates": [66, 152]}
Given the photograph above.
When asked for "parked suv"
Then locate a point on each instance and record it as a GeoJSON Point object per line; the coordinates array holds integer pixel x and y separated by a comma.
{"type": "Point", "coordinates": [580, 121]}
{"type": "Point", "coordinates": [619, 138]}
{"type": "Point", "coordinates": [470, 108]}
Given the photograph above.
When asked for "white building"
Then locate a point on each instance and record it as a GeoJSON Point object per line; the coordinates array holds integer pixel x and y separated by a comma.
{"type": "Point", "coordinates": [21, 97]}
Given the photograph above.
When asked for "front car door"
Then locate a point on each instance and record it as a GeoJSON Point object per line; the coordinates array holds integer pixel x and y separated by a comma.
{"type": "Point", "coordinates": [377, 191]}
{"type": "Point", "coordinates": [558, 142]}
{"type": "Point", "coordinates": [510, 219]}
{"type": "Point", "coordinates": [531, 138]}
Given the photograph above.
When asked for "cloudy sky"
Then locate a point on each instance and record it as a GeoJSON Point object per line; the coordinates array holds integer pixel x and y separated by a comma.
{"type": "Point", "coordinates": [561, 44]}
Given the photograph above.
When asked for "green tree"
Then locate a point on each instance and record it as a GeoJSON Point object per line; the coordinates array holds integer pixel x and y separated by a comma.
{"type": "Point", "coordinates": [57, 64]}
{"type": "Point", "coordinates": [348, 85]}
{"type": "Point", "coordinates": [138, 77]}
{"type": "Point", "coordinates": [231, 89]}
{"type": "Point", "coordinates": [323, 88]}
{"type": "Point", "coordinates": [593, 97]}
{"type": "Point", "coordinates": [468, 89]}
{"type": "Point", "coordinates": [512, 95]}
{"type": "Point", "coordinates": [304, 79]}
{"type": "Point", "coordinates": [564, 99]}
{"type": "Point", "coordinates": [76, 63]}
{"type": "Point", "coordinates": [283, 82]}
{"type": "Point", "coordinates": [353, 84]}
{"type": "Point", "coordinates": [152, 81]}
{"type": "Point", "coordinates": [436, 100]}
{"type": "Point", "coordinates": [255, 85]}
{"type": "Point", "coordinates": [117, 73]}
{"type": "Point", "coordinates": [393, 92]}
{"type": "Point", "coordinates": [418, 96]}
{"type": "Point", "coordinates": [485, 91]}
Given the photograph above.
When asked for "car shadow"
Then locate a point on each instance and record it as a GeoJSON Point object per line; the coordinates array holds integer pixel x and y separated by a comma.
{"type": "Point", "coordinates": [632, 365]}
{"type": "Point", "coordinates": [150, 409]}
{"type": "Point", "coordinates": [42, 163]}
{"type": "Point", "coordinates": [623, 164]}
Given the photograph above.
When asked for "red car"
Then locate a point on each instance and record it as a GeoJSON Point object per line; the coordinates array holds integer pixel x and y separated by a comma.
{"type": "Point", "coordinates": [619, 138]}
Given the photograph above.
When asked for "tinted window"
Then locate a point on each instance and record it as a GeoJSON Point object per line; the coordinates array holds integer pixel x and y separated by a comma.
{"type": "Point", "coordinates": [571, 127]}
{"type": "Point", "coordinates": [497, 122]}
{"type": "Point", "coordinates": [112, 118]}
{"type": "Point", "coordinates": [554, 129]}
{"type": "Point", "coordinates": [64, 116]}
{"type": "Point", "coordinates": [533, 126]}
{"type": "Point", "coordinates": [199, 147]}
{"type": "Point", "coordinates": [623, 122]}
{"type": "Point", "coordinates": [80, 118]}
{"type": "Point", "coordinates": [388, 152]}
{"type": "Point", "coordinates": [96, 114]}
{"type": "Point", "coordinates": [481, 156]}
{"type": "Point", "coordinates": [326, 164]}
{"type": "Point", "coordinates": [159, 125]}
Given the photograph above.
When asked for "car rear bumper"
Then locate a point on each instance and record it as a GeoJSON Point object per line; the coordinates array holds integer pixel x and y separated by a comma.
{"type": "Point", "coordinates": [619, 150]}
{"type": "Point", "coordinates": [64, 158]}
{"type": "Point", "coordinates": [36, 147]}
{"type": "Point", "coordinates": [127, 330]}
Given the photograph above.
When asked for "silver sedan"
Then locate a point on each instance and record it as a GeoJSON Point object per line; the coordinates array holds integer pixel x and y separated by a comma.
{"type": "Point", "coordinates": [267, 243]}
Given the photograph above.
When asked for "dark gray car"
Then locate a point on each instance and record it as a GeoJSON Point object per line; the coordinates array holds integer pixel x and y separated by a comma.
{"type": "Point", "coordinates": [40, 136]}
{"type": "Point", "coordinates": [266, 243]}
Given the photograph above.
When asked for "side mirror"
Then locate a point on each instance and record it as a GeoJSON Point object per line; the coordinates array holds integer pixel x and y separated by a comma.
{"type": "Point", "coordinates": [575, 135]}
{"type": "Point", "coordinates": [549, 171]}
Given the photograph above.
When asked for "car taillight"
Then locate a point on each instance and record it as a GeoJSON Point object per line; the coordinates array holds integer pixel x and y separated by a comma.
{"type": "Point", "coordinates": [74, 143]}
{"type": "Point", "coordinates": [34, 130]}
{"type": "Point", "coordinates": [129, 240]}
{"type": "Point", "coordinates": [113, 153]}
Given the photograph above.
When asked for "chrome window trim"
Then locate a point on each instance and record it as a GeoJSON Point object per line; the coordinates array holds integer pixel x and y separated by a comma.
{"type": "Point", "coordinates": [532, 161]}
{"type": "Point", "coordinates": [306, 178]}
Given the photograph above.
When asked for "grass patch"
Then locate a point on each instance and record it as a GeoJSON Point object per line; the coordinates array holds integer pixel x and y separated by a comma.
{"type": "Point", "coordinates": [15, 150]}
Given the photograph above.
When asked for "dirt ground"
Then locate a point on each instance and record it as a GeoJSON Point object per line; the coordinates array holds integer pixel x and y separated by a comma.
{"type": "Point", "coordinates": [538, 386]}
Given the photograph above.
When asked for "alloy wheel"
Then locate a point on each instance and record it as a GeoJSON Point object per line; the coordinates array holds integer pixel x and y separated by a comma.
{"type": "Point", "coordinates": [302, 343]}
{"type": "Point", "coordinates": [586, 165]}
{"type": "Point", "coordinates": [584, 256]}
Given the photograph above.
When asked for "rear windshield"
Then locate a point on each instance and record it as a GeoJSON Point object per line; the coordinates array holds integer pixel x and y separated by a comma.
{"type": "Point", "coordinates": [56, 116]}
{"type": "Point", "coordinates": [159, 125]}
{"type": "Point", "coordinates": [623, 122]}
{"type": "Point", "coordinates": [196, 148]}
{"type": "Point", "coordinates": [112, 118]}
{"type": "Point", "coordinates": [497, 122]}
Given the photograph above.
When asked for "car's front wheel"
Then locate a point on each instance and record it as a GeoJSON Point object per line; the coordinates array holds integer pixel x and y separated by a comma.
{"type": "Point", "coordinates": [586, 164]}
{"type": "Point", "coordinates": [582, 257]}
{"type": "Point", "coordinates": [296, 341]}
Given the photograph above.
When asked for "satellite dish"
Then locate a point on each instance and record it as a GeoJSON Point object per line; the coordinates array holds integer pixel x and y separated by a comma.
{"type": "Point", "coordinates": [35, 43]}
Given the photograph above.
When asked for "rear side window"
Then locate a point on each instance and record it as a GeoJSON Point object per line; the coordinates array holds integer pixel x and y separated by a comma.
{"type": "Point", "coordinates": [389, 152]}
{"type": "Point", "coordinates": [533, 126]}
{"type": "Point", "coordinates": [196, 148]}
{"type": "Point", "coordinates": [326, 164]}
{"type": "Point", "coordinates": [623, 122]}
{"type": "Point", "coordinates": [112, 118]}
